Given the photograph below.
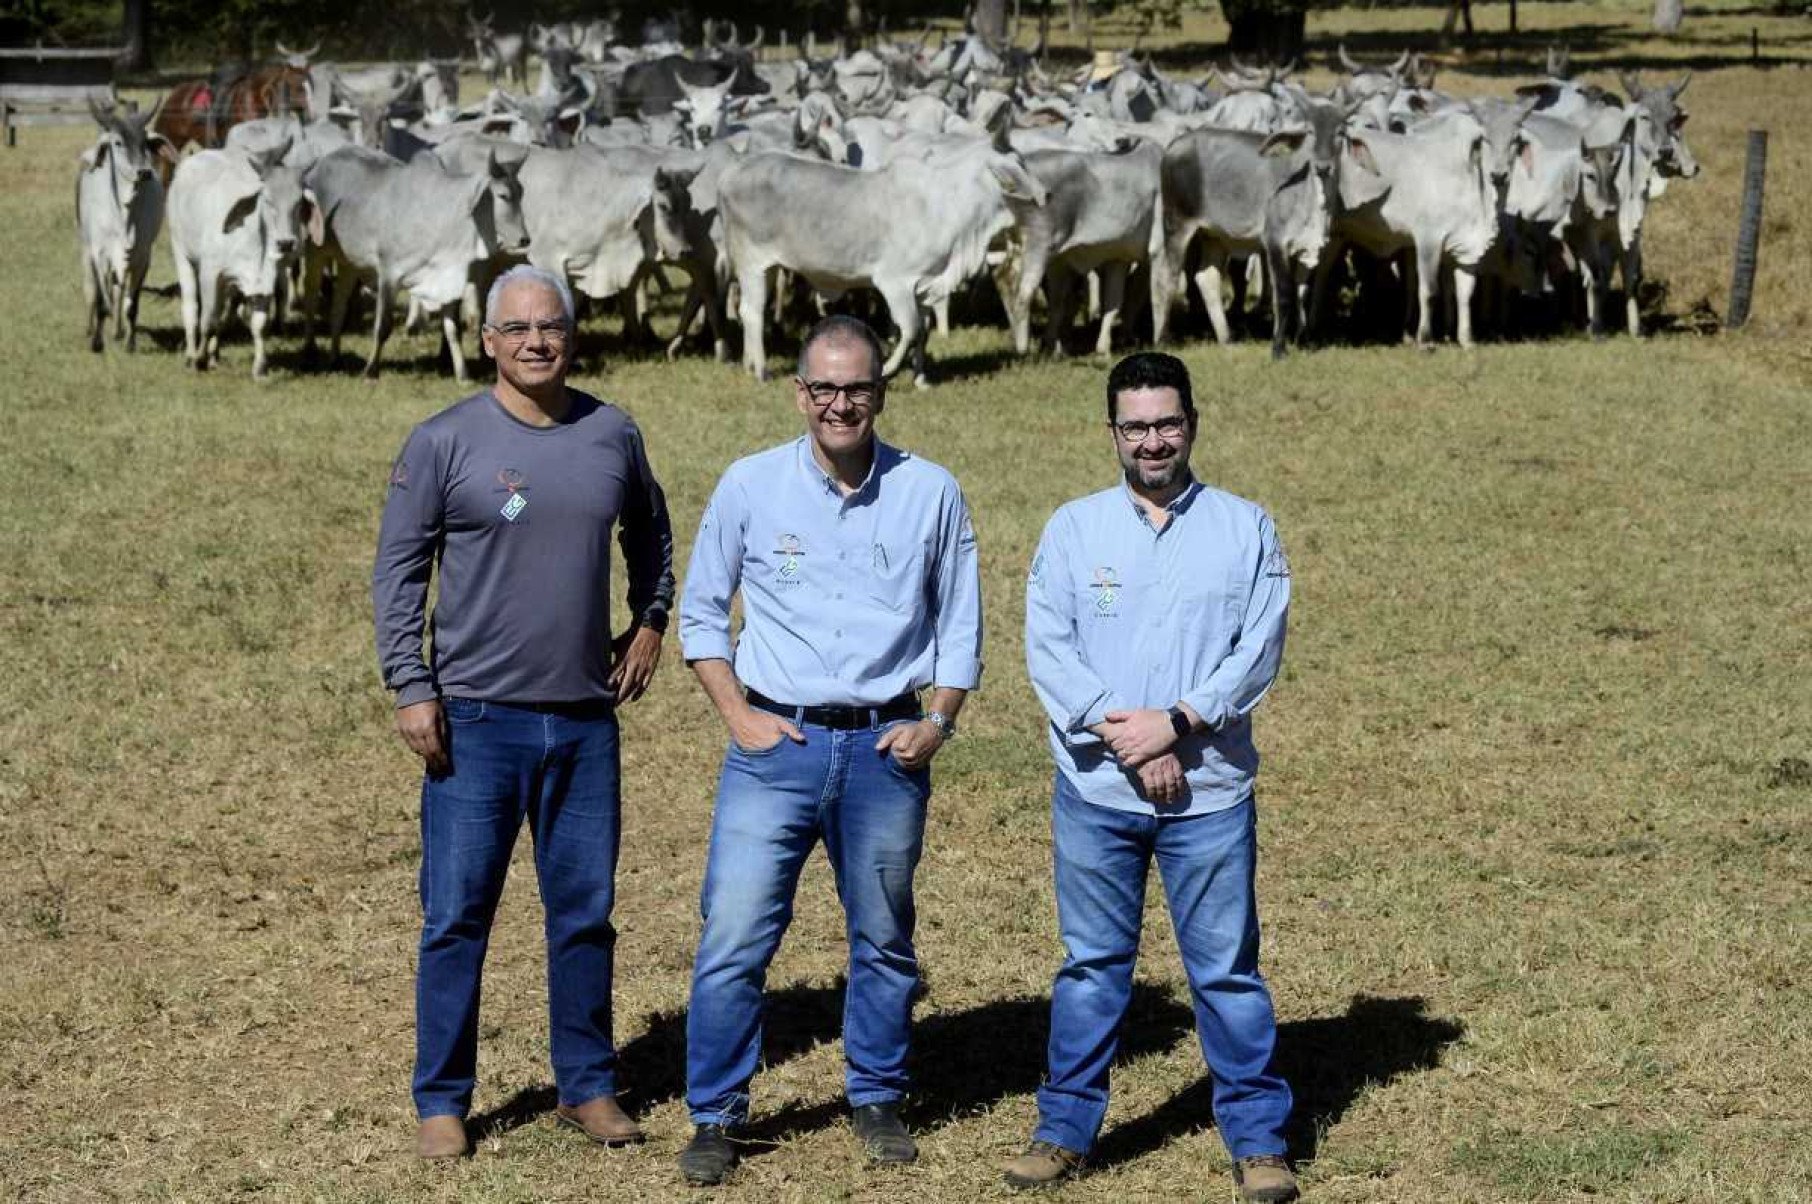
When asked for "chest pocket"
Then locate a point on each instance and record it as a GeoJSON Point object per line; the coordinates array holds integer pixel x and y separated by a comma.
{"type": "Point", "coordinates": [895, 576]}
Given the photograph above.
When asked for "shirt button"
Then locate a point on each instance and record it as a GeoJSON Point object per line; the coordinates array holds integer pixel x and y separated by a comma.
{"type": "Point", "coordinates": [839, 633]}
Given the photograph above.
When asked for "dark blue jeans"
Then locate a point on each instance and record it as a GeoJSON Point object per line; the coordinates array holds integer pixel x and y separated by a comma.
{"type": "Point", "coordinates": [556, 766]}
{"type": "Point", "coordinates": [772, 807]}
{"type": "Point", "coordinates": [1206, 863]}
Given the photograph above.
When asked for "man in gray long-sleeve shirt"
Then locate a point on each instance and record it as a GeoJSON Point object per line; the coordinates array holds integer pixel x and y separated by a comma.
{"type": "Point", "coordinates": [515, 492]}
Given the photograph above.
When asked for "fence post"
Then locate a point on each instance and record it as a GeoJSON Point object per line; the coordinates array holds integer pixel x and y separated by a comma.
{"type": "Point", "coordinates": [1749, 231]}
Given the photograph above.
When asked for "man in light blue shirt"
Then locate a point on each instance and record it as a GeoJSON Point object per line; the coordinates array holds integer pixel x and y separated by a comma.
{"type": "Point", "coordinates": [860, 587]}
{"type": "Point", "coordinates": [1154, 625]}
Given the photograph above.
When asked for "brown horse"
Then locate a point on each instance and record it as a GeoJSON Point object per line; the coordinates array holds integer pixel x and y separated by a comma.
{"type": "Point", "coordinates": [203, 110]}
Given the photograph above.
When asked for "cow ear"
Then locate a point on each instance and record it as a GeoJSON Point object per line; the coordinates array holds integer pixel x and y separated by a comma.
{"type": "Point", "coordinates": [1525, 155]}
{"type": "Point", "coordinates": [241, 212]}
{"type": "Point", "coordinates": [95, 155]}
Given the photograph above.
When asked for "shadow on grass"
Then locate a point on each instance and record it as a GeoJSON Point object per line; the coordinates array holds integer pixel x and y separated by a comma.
{"type": "Point", "coordinates": [965, 1062]}
{"type": "Point", "coordinates": [1328, 1061]}
{"type": "Point", "coordinates": [653, 1065]}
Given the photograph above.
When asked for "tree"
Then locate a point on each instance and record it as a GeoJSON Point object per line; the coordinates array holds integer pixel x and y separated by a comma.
{"type": "Point", "coordinates": [1266, 30]}
{"type": "Point", "coordinates": [137, 23]}
{"type": "Point", "coordinates": [1668, 15]}
{"type": "Point", "coordinates": [991, 19]}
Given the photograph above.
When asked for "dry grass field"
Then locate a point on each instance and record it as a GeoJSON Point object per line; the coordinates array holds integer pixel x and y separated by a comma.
{"type": "Point", "coordinates": [1537, 862]}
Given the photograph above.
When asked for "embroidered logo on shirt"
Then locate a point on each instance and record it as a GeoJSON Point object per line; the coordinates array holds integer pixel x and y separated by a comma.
{"type": "Point", "coordinates": [512, 480]}
{"type": "Point", "coordinates": [1275, 564]}
{"type": "Point", "coordinates": [1036, 576]}
{"type": "Point", "coordinates": [399, 474]}
{"type": "Point", "coordinates": [1107, 590]}
{"type": "Point", "coordinates": [789, 552]}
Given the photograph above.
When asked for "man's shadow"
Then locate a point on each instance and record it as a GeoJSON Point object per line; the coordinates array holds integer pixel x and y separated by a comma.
{"type": "Point", "coordinates": [1327, 1060]}
{"type": "Point", "coordinates": [652, 1066]}
{"type": "Point", "coordinates": [965, 1062]}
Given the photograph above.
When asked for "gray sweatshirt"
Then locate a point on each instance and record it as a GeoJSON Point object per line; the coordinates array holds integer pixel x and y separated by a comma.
{"type": "Point", "coordinates": [519, 518]}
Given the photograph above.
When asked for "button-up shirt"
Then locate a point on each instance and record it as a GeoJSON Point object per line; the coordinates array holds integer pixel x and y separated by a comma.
{"type": "Point", "coordinates": [1122, 615]}
{"type": "Point", "coordinates": [847, 599]}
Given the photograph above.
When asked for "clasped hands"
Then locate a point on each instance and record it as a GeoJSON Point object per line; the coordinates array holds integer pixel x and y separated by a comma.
{"type": "Point", "coordinates": [1141, 741]}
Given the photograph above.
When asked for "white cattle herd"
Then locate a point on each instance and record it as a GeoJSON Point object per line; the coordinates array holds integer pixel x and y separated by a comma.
{"type": "Point", "coordinates": [909, 169]}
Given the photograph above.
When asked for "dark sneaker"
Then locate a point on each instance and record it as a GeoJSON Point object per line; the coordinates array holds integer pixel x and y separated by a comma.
{"type": "Point", "coordinates": [1264, 1179]}
{"type": "Point", "coordinates": [883, 1134]}
{"type": "Point", "coordinates": [1042, 1165]}
{"type": "Point", "coordinates": [708, 1157]}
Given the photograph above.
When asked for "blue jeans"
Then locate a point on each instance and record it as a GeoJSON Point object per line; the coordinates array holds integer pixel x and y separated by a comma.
{"type": "Point", "coordinates": [772, 807]}
{"type": "Point", "coordinates": [557, 766]}
{"type": "Point", "coordinates": [1206, 863]}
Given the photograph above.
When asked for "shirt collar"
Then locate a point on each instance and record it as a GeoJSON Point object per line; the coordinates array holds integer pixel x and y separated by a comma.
{"type": "Point", "coordinates": [814, 473]}
{"type": "Point", "coordinates": [1178, 505]}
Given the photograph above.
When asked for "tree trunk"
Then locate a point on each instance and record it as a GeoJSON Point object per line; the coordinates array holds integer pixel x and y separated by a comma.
{"type": "Point", "coordinates": [1264, 33]}
{"type": "Point", "coordinates": [137, 30]}
{"type": "Point", "coordinates": [1668, 15]}
{"type": "Point", "coordinates": [991, 19]}
{"type": "Point", "coordinates": [1079, 16]}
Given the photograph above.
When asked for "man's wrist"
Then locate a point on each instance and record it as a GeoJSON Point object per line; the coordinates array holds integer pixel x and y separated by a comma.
{"type": "Point", "coordinates": [945, 725]}
{"type": "Point", "coordinates": [655, 621]}
{"type": "Point", "coordinates": [1180, 722]}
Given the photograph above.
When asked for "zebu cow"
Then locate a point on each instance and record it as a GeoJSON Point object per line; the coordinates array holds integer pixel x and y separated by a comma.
{"type": "Point", "coordinates": [236, 223]}
{"type": "Point", "coordinates": [1430, 193]}
{"type": "Point", "coordinates": [1099, 216]}
{"type": "Point", "coordinates": [602, 218]}
{"type": "Point", "coordinates": [1249, 193]}
{"type": "Point", "coordinates": [503, 57]}
{"type": "Point", "coordinates": [119, 206]}
{"type": "Point", "coordinates": [415, 226]}
{"type": "Point", "coordinates": [305, 142]}
{"type": "Point", "coordinates": [914, 230]}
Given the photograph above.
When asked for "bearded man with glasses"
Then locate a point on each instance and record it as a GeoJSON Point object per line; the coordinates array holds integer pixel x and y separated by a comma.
{"type": "Point", "coordinates": [514, 493]}
{"type": "Point", "coordinates": [860, 588]}
{"type": "Point", "coordinates": [1154, 625]}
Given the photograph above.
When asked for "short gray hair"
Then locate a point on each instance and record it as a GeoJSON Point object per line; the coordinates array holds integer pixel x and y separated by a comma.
{"type": "Point", "coordinates": [842, 328]}
{"type": "Point", "coordinates": [525, 274]}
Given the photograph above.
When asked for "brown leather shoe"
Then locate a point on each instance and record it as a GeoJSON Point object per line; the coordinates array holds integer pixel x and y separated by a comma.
{"type": "Point", "coordinates": [601, 1119]}
{"type": "Point", "coordinates": [1042, 1165]}
{"type": "Point", "coordinates": [441, 1137]}
{"type": "Point", "coordinates": [1264, 1179]}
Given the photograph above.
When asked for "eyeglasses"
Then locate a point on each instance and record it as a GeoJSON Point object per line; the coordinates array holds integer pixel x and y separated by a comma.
{"type": "Point", "coordinates": [1169, 429]}
{"type": "Point", "coordinates": [518, 332]}
{"type": "Point", "coordinates": [859, 393]}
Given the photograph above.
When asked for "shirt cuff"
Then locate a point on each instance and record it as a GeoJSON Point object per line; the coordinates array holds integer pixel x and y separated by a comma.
{"type": "Point", "coordinates": [705, 646]}
{"type": "Point", "coordinates": [1079, 735]}
{"type": "Point", "coordinates": [1215, 711]}
{"type": "Point", "coordinates": [414, 692]}
{"type": "Point", "coordinates": [956, 672]}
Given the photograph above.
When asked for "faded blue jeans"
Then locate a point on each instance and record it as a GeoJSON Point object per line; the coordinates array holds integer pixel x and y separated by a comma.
{"type": "Point", "coordinates": [772, 807]}
{"type": "Point", "coordinates": [1206, 862]}
{"type": "Point", "coordinates": [557, 766]}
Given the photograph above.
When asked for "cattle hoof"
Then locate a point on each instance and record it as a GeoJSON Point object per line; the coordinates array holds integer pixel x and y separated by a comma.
{"type": "Point", "coordinates": [921, 382]}
{"type": "Point", "coordinates": [370, 372]}
{"type": "Point", "coordinates": [1277, 352]}
{"type": "Point", "coordinates": [1426, 348]}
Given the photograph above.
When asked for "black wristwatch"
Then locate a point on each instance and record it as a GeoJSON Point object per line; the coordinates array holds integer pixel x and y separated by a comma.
{"type": "Point", "coordinates": [1179, 722]}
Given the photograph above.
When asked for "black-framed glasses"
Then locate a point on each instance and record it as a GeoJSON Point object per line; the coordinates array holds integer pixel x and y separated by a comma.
{"type": "Point", "coordinates": [518, 332]}
{"type": "Point", "coordinates": [1169, 429]}
{"type": "Point", "coordinates": [859, 393]}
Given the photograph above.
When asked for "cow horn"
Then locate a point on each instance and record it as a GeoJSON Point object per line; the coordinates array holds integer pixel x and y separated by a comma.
{"type": "Point", "coordinates": [1680, 87]}
{"type": "Point", "coordinates": [1631, 84]}
{"type": "Point", "coordinates": [732, 39]}
{"type": "Point", "coordinates": [756, 41]}
{"type": "Point", "coordinates": [1346, 60]}
{"type": "Point", "coordinates": [285, 51]}
{"type": "Point", "coordinates": [1402, 61]}
{"type": "Point", "coordinates": [312, 50]}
